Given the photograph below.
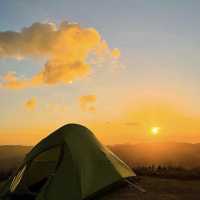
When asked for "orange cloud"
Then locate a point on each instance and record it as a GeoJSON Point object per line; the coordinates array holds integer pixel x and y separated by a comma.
{"type": "Point", "coordinates": [66, 48]}
{"type": "Point", "coordinates": [31, 104]}
{"type": "Point", "coordinates": [87, 103]}
{"type": "Point", "coordinates": [116, 53]}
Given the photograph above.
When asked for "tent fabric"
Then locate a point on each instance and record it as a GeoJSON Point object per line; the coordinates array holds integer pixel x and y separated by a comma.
{"type": "Point", "coordinates": [69, 164]}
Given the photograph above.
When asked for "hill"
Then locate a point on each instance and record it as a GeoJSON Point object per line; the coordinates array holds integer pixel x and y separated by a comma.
{"type": "Point", "coordinates": [11, 156]}
{"type": "Point", "coordinates": [173, 154]}
{"type": "Point", "coordinates": [144, 154]}
{"type": "Point", "coordinates": [169, 154]}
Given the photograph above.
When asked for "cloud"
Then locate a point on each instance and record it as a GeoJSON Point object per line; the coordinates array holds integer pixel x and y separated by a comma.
{"type": "Point", "coordinates": [65, 47]}
{"type": "Point", "coordinates": [87, 103]}
{"type": "Point", "coordinates": [31, 104]}
{"type": "Point", "coordinates": [116, 53]}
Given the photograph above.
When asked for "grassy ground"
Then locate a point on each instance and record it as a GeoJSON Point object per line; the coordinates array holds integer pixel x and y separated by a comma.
{"type": "Point", "coordinates": [1, 184]}
{"type": "Point", "coordinates": [159, 189]}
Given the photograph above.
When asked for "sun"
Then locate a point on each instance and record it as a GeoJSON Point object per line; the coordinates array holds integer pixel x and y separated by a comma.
{"type": "Point", "coordinates": [155, 130]}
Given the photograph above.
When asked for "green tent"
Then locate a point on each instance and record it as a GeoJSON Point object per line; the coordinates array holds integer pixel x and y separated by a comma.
{"type": "Point", "coordinates": [69, 164]}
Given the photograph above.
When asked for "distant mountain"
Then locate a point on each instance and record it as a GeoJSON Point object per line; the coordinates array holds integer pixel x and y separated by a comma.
{"type": "Point", "coordinates": [11, 156]}
{"type": "Point", "coordinates": [171, 154]}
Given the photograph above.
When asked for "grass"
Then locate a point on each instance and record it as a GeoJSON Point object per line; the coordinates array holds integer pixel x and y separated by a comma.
{"type": "Point", "coordinates": [159, 189]}
{"type": "Point", "coordinates": [1, 183]}
{"type": "Point", "coordinates": [160, 183]}
{"type": "Point", "coordinates": [168, 172]}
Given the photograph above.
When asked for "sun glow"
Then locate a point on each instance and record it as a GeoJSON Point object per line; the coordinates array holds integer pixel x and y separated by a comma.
{"type": "Point", "coordinates": [155, 130]}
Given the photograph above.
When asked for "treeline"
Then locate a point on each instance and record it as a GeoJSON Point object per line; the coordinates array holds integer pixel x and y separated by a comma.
{"type": "Point", "coordinates": [168, 172]}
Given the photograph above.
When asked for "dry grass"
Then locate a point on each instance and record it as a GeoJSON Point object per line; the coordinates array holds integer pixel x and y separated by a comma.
{"type": "Point", "coordinates": [1, 183]}
{"type": "Point", "coordinates": [159, 189]}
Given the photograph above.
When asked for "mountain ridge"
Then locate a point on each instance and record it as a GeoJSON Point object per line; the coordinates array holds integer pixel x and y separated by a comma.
{"type": "Point", "coordinates": [185, 155]}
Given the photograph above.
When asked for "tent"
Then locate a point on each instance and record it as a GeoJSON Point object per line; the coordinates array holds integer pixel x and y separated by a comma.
{"type": "Point", "coordinates": [68, 164]}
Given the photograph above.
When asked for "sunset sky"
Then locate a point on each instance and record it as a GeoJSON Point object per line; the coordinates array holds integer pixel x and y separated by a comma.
{"type": "Point", "coordinates": [122, 68]}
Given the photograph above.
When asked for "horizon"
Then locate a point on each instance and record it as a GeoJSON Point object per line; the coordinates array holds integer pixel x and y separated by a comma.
{"type": "Point", "coordinates": [117, 144]}
{"type": "Point", "coordinates": [130, 76]}
{"type": "Point", "coordinates": [110, 144]}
